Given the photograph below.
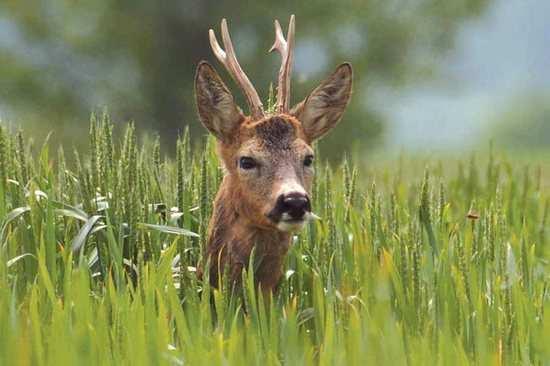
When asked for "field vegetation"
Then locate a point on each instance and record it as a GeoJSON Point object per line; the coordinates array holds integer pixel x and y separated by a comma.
{"type": "Point", "coordinates": [415, 263]}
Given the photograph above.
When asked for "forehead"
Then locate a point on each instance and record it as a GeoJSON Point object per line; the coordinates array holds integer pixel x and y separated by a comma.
{"type": "Point", "coordinates": [274, 133]}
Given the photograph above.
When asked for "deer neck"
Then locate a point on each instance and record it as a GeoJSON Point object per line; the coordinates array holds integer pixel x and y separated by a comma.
{"type": "Point", "coordinates": [232, 236]}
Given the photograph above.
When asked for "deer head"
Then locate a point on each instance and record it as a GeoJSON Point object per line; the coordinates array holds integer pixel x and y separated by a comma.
{"type": "Point", "coordinates": [268, 156]}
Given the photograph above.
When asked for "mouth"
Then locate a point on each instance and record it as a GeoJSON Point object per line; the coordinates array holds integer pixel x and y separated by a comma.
{"type": "Point", "coordinates": [286, 218]}
{"type": "Point", "coordinates": [291, 225]}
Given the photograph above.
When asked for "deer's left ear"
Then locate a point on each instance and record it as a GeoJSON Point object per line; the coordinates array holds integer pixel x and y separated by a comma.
{"type": "Point", "coordinates": [323, 108]}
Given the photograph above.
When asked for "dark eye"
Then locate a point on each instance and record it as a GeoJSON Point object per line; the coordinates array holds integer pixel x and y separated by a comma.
{"type": "Point", "coordinates": [247, 163]}
{"type": "Point", "coordinates": [308, 160]}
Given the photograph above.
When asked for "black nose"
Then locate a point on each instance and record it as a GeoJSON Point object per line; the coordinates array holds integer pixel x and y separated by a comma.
{"type": "Point", "coordinates": [295, 205]}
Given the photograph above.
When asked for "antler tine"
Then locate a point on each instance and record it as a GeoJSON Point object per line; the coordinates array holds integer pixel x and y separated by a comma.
{"type": "Point", "coordinates": [218, 51]}
{"type": "Point", "coordinates": [286, 49]}
{"type": "Point", "coordinates": [228, 58]}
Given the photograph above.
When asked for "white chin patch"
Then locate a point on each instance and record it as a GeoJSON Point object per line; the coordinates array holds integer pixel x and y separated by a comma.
{"type": "Point", "coordinates": [287, 226]}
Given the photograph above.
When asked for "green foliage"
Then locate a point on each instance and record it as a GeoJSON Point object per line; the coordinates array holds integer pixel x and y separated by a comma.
{"type": "Point", "coordinates": [62, 58]}
{"type": "Point", "coordinates": [98, 264]}
{"type": "Point", "coordinates": [523, 124]}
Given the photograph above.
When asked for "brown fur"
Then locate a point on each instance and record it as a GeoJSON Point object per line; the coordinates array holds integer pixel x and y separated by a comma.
{"type": "Point", "coordinates": [279, 143]}
{"type": "Point", "coordinates": [238, 222]}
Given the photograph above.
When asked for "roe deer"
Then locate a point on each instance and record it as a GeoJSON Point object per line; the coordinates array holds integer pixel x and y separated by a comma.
{"type": "Point", "coordinates": [267, 159]}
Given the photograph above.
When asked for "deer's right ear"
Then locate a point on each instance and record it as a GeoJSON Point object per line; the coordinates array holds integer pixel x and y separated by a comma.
{"type": "Point", "coordinates": [217, 109]}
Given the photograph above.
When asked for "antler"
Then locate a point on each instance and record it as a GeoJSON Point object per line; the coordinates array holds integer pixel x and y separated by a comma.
{"type": "Point", "coordinates": [286, 49]}
{"type": "Point", "coordinates": [229, 60]}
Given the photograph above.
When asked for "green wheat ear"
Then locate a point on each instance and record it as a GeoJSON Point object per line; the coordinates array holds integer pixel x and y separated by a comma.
{"type": "Point", "coordinates": [3, 158]}
{"type": "Point", "coordinates": [271, 100]}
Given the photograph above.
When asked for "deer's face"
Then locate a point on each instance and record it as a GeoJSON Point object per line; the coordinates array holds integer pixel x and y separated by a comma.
{"type": "Point", "coordinates": [269, 160]}
{"type": "Point", "coordinates": [272, 167]}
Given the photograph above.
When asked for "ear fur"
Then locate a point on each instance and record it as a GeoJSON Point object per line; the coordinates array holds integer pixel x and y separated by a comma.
{"type": "Point", "coordinates": [323, 108]}
{"type": "Point", "coordinates": [215, 104]}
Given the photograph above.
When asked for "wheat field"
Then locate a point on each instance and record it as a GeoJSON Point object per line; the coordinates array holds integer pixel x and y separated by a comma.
{"type": "Point", "coordinates": [416, 262]}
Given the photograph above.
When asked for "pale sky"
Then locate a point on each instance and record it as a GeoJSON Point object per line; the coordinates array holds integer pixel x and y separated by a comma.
{"type": "Point", "coordinates": [497, 57]}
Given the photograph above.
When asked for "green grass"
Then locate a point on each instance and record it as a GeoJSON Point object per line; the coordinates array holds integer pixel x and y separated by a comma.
{"type": "Point", "coordinates": [98, 258]}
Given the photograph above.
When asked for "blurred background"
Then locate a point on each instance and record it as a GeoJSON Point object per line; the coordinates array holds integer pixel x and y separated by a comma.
{"type": "Point", "coordinates": [430, 75]}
